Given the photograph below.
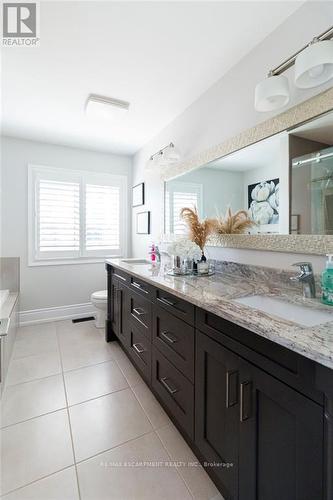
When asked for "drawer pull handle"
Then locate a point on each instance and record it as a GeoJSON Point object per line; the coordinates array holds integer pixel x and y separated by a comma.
{"type": "Point", "coordinates": [120, 277]}
{"type": "Point", "coordinates": [231, 388]}
{"type": "Point", "coordinates": [139, 311]}
{"type": "Point", "coordinates": [170, 338]}
{"type": "Point", "coordinates": [138, 348]}
{"type": "Point", "coordinates": [167, 386]}
{"type": "Point", "coordinates": [245, 401]}
{"type": "Point", "coordinates": [138, 286]}
{"type": "Point", "coordinates": [167, 301]}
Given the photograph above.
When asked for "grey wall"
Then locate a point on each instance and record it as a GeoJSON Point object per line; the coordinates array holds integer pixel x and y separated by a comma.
{"type": "Point", "coordinates": [47, 286]}
{"type": "Point", "coordinates": [225, 110]}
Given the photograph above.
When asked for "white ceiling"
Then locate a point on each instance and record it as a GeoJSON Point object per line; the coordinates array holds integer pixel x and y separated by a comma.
{"type": "Point", "coordinates": [159, 56]}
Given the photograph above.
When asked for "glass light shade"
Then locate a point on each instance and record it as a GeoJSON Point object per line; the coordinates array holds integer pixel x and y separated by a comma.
{"type": "Point", "coordinates": [314, 65]}
{"type": "Point", "coordinates": [168, 156]}
{"type": "Point", "coordinates": [171, 155]}
{"type": "Point", "coordinates": [271, 93]}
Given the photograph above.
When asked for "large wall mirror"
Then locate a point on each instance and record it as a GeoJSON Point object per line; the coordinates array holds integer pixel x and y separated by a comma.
{"type": "Point", "coordinates": [284, 182]}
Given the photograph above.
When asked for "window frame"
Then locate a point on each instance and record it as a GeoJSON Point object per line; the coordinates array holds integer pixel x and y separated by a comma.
{"type": "Point", "coordinates": [83, 177]}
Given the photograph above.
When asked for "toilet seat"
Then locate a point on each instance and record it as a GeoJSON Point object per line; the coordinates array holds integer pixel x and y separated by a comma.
{"type": "Point", "coordinates": [100, 295]}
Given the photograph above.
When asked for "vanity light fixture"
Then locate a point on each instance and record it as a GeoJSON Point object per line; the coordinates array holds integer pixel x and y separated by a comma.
{"type": "Point", "coordinates": [165, 156]}
{"type": "Point", "coordinates": [99, 106]}
{"type": "Point", "coordinates": [313, 66]}
{"type": "Point", "coordinates": [272, 93]}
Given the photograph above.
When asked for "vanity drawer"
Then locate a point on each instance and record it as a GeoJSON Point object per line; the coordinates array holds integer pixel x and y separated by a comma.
{"type": "Point", "coordinates": [180, 308]}
{"type": "Point", "coordinates": [284, 364]}
{"type": "Point", "coordinates": [174, 390]}
{"type": "Point", "coordinates": [175, 339]}
{"type": "Point", "coordinates": [141, 287]}
{"type": "Point", "coordinates": [120, 275]}
{"type": "Point", "coordinates": [139, 350]}
{"type": "Point", "coordinates": [140, 313]}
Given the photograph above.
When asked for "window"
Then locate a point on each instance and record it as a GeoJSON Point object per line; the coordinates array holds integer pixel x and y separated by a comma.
{"type": "Point", "coordinates": [177, 196]}
{"type": "Point", "coordinates": [75, 215]}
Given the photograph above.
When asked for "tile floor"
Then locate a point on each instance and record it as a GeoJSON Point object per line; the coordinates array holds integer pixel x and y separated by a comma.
{"type": "Point", "coordinates": [77, 422]}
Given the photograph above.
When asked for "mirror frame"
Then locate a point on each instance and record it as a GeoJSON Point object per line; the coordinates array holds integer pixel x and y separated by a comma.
{"type": "Point", "coordinates": [286, 121]}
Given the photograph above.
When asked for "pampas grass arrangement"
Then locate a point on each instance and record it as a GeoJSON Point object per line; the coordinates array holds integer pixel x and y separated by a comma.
{"type": "Point", "coordinates": [198, 230]}
{"type": "Point", "coordinates": [237, 223]}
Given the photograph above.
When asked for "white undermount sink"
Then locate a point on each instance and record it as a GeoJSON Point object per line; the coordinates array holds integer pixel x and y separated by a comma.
{"type": "Point", "coordinates": [305, 316]}
{"type": "Point", "coordinates": [136, 261]}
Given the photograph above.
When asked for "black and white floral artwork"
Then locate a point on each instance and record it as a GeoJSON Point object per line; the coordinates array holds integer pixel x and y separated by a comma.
{"type": "Point", "coordinates": [263, 202]}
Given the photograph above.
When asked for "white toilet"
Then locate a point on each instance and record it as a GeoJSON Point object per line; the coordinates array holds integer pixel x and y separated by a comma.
{"type": "Point", "coordinates": [99, 301]}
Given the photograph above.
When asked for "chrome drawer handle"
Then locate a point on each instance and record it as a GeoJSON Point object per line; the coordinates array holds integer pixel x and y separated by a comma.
{"type": "Point", "coordinates": [138, 286]}
{"type": "Point", "coordinates": [245, 401]}
{"type": "Point", "coordinates": [167, 302]}
{"type": "Point", "coordinates": [139, 311]}
{"type": "Point", "coordinates": [170, 338]}
{"type": "Point", "coordinates": [138, 348]}
{"type": "Point", "coordinates": [118, 276]}
{"type": "Point", "coordinates": [166, 385]}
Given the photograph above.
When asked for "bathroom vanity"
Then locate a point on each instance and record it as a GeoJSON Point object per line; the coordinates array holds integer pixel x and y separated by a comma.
{"type": "Point", "coordinates": [251, 392]}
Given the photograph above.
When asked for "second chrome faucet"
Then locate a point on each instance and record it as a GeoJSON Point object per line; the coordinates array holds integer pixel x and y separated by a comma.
{"type": "Point", "coordinates": [306, 277]}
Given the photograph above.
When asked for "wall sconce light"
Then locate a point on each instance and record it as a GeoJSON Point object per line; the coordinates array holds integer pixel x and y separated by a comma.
{"type": "Point", "coordinates": [272, 93]}
{"type": "Point", "coordinates": [164, 157]}
{"type": "Point", "coordinates": [313, 66]}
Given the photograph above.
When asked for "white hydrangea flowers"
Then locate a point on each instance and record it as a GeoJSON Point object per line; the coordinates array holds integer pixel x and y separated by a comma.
{"type": "Point", "coordinates": [185, 249]}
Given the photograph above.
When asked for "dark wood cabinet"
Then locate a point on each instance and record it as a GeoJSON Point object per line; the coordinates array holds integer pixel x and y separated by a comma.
{"type": "Point", "coordinates": [259, 416]}
{"type": "Point", "coordinates": [270, 433]}
{"type": "Point", "coordinates": [139, 349]}
{"type": "Point", "coordinates": [217, 411]}
{"type": "Point", "coordinates": [281, 440]}
{"type": "Point", "coordinates": [175, 391]}
{"type": "Point", "coordinates": [175, 339]}
{"type": "Point", "coordinates": [117, 309]}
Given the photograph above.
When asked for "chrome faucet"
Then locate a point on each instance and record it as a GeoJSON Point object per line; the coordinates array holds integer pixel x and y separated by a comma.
{"type": "Point", "coordinates": [306, 277]}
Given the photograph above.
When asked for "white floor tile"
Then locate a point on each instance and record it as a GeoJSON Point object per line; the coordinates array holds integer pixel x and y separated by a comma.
{"type": "Point", "coordinates": [93, 381]}
{"type": "Point", "coordinates": [72, 333]}
{"type": "Point", "coordinates": [59, 486]}
{"type": "Point", "coordinates": [42, 328]}
{"type": "Point", "coordinates": [23, 401]}
{"type": "Point", "coordinates": [84, 354]}
{"type": "Point", "coordinates": [34, 449]}
{"type": "Point", "coordinates": [106, 422]}
{"type": "Point", "coordinates": [33, 367]}
{"type": "Point", "coordinates": [151, 406]}
{"type": "Point", "coordinates": [132, 376]}
{"type": "Point", "coordinates": [35, 342]}
{"type": "Point", "coordinates": [195, 477]}
{"type": "Point", "coordinates": [99, 480]}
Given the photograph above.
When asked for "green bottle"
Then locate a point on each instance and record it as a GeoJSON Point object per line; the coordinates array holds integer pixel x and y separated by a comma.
{"type": "Point", "coordinates": [327, 282]}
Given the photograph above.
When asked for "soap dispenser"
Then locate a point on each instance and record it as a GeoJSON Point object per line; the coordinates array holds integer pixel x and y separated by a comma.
{"type": "Point", "coordinates": [327, 282]}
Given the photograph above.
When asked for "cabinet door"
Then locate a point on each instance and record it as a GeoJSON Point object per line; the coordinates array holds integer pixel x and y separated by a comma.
{"type": "Point", "coordinates": [281, 440]}
{"type": "Point", "coordinates": [114, 305]}
{"type": "Point", "coordinates": [122, 320]}
{"type": "Point", "coordinates": [217, 411]}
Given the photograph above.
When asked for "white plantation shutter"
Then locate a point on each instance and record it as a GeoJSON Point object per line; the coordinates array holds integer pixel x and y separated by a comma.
{"type": "Point", "coordinates": [102, 228]}
{"type": "Point", "coordinates": [179, 195]}
{"type": "Point", "coordinates": [75, 214]}
{"type": "Point", "coordinates": [58, 217]}
{"type": "Point", "coordinates": [181, 200]}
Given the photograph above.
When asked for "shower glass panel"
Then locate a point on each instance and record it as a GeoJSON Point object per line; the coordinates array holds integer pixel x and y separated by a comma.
{"type": "Point", "coordinates": [312, 193]}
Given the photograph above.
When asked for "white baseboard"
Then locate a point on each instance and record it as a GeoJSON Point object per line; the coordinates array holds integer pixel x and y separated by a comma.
{"type": "Point", "coordinates": [56, 313]}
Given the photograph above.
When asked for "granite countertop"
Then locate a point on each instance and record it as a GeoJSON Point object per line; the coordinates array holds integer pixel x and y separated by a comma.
{"type": "Point", "coordinates": [232, 281]}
